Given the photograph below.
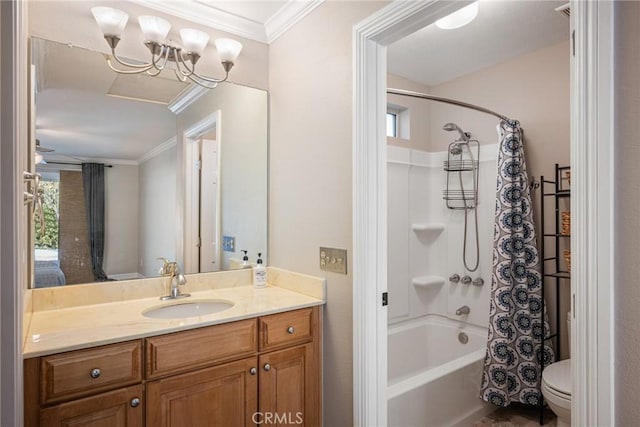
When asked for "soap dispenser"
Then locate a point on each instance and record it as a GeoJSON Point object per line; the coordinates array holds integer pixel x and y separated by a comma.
{"type": "Point", "coordinates": [259, 274]}
{"type": "Point", "coordinates": [245, 261]}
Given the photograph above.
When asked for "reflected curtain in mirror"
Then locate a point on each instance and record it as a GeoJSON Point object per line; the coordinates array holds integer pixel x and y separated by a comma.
{"type": "Point", "coordinates": [93, 182]}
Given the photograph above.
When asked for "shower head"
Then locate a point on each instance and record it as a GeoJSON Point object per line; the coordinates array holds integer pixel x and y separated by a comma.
{"type": "Point", "coordinates": [464, 136]}
{"type": "Point", "coordinates": [455, 149]}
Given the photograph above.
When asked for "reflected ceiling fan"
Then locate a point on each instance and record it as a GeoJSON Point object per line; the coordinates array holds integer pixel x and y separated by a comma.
{"type": "Point", "coordinates": [41, 149]}
{"type": "Point", "coordinates": [39, 159]}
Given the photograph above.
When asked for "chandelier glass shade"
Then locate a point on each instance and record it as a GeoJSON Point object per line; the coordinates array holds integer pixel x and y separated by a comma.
{"type": "Point", "coordinates": [113, 21]}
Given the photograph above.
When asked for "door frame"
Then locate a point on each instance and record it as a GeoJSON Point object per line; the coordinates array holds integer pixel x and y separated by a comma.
{"type": "Point", "coordinates": [13, 213]}
{"type": "Point", "coordinates": [592, 239]}
{"type": "Point", "coordinates": [191, 187]}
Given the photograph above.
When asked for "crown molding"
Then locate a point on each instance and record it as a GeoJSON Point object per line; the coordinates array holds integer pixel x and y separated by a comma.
{"type": "Point", "coordinates": [107, 161]}
{"type": "Point", "coordinates": [208, 16]}
{"type": "Point", "coordinates": [187, 97]}
{"type": "Point", "coordinates": [287, 16]}
{"type": "Point", "coordinates": [169, 143]}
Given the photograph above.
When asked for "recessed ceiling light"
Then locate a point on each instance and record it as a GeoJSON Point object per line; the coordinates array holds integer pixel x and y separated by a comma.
{"type": "Point", "coordinates": [459, 18]}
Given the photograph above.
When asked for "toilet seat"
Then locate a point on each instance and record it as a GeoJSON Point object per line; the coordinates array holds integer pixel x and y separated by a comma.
{"type": "Point", "coordinates": [557, 379]}
{"type": "Point", "coordinates": [550, 394]}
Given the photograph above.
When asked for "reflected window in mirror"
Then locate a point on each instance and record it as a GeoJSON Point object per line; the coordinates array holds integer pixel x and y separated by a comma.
{"type": "Point", "coordinates": [46, 245]}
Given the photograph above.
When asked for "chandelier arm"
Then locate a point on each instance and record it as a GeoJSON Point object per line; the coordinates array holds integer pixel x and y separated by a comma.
{"type": "Point", "coordinates": [142, 70]}
{"type": "Point", "coordinates": [201, 83]}
{"type": "Point", "coordinates": [179, 75]}
{"type": "Point", "coordinates": [212, 79]}
{"type": "Point", "coordinates": [146, 66]}
{"type": "Point", "coordinates": [154, 73]}
{"type": "Point", "coordinates": [180, 61]}
{"type": "Point", "coordinates": [192, 72]}
{"type": "Point", "coordinates": [164, 56]}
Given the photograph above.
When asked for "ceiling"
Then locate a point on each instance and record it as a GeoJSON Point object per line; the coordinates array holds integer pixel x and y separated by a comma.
{"type": "Point", "coordinates": [502, 30]}
{"type": "Point", "coordinates": [77, 113]}
{"type": "Point", "coordinates": [260, 20]}
{"type": "Point", "coordinates": [82, 112]}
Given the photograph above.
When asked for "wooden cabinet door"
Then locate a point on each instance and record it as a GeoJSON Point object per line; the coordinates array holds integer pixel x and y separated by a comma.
{"type": "Point", "coordinates": [289, 387]}
{"type": "Point", "coordinates": [224, 395]}
{"type": "Point", "coordinates": [117, 408]}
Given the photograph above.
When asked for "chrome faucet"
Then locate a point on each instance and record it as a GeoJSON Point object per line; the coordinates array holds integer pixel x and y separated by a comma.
{"type": "Point", "coordinates": [463, 310]}
{"type": "Point", "coordinates": [170, 269]}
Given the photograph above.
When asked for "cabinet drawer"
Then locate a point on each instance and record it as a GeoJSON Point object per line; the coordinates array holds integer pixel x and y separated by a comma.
{"type": "Point", "coordinates": [287, 328]}
{"type": "Point", "coordinates": [184, 351]}
{"type": "Point", "coordinates": [123, 407]}
{"type": "Point", "coordinates": [83, 372]}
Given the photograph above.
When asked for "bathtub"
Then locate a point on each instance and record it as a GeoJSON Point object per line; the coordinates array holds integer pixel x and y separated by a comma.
{"type": "Point", "coordinates": [434, 379]}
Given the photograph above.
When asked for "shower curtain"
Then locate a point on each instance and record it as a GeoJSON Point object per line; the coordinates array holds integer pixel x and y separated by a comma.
{"type": "Point", "coordinates": [512, 364]}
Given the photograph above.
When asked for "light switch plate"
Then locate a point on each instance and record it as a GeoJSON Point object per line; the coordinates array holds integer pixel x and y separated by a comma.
{"type": "Point", "coordinates": [333, 260]}
{"type": "Point", "coordinates": [228, 244]}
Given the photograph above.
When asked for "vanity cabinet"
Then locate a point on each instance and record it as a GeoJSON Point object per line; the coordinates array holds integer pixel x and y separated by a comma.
{"type": "Point", "coordinates": [223, 395]}
{"type": "Point", "coordinates": [100, 386]}
{"type": "Point", "coordinates": [122, 407]}
{"type": "Point", "coordinates": [265, 370]}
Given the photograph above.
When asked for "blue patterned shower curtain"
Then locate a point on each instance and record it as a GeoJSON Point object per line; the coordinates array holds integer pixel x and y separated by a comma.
{"type": "Point", "coordinates": [512, 363]}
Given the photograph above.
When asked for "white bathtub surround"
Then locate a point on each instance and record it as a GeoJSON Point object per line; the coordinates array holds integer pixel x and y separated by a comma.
{"type": "Point", "coordinates": [425, 238]}
{"type": "Point", "coordinates": [434, 379]}
{"type": "Point", "coordinates": [436, 383]}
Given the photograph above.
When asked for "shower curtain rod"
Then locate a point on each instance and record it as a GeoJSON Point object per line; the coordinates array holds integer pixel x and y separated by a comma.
{"type": "Point", "coordinates": [445, 100]}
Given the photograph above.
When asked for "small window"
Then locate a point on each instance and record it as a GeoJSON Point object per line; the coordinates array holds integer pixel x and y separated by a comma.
{"type": "Point", "coordinates": [397, 122]}
{"type": "Point", "coordinates": [392, 125]}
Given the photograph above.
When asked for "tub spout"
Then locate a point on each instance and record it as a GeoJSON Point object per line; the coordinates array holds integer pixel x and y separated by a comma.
{"type": "Point", "coordinates": [463, 310]}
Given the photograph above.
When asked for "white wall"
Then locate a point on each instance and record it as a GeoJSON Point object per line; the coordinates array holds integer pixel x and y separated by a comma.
{"type": "Point", "coordinates": [419, 113]}
{"type": "Point", "coordinates": [121, 220]}
{"type": "Point", "coordinates": [157, 195]}
{"type": "Point", "coordinates": [627, 211]}
{"type": "Point", "coordinates": [243, 166]}
{"type": "Point", "coordinates": [533, 88]}
{"type": "Point", "coordinates": [310, 173]}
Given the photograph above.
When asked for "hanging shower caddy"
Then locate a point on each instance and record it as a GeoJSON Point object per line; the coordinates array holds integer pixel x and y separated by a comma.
{"type": "Point", "coordinates": [463, 165]}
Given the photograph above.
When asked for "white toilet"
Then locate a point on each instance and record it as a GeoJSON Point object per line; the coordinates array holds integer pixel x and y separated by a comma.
{"type": "Point", "coordinates": [556, 388]}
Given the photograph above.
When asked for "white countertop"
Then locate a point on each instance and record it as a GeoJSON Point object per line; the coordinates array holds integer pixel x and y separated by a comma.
{"type": "Point", "coordinates": [81, 326]}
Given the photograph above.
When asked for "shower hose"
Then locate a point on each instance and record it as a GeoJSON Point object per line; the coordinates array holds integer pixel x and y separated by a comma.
{"type": "Point", "coordinates": [475, 210]}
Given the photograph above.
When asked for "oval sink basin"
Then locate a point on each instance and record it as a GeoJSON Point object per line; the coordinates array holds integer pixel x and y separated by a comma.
{"type": "Point", "coordinates": [187, 309]}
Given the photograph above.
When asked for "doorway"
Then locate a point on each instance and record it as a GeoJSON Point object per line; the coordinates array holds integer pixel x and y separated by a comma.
{"type": "Point", "coordinates": [591, 132]}
{"type": "Point", "coordinates": [202, 196]}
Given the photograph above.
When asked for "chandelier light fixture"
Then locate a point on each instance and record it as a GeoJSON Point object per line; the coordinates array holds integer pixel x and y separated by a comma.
{"type": "Point", "coordinates": [112, 22]}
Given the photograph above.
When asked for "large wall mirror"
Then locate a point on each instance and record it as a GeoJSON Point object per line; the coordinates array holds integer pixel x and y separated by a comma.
{"type": "Point", "coordinates": [189, 186]}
